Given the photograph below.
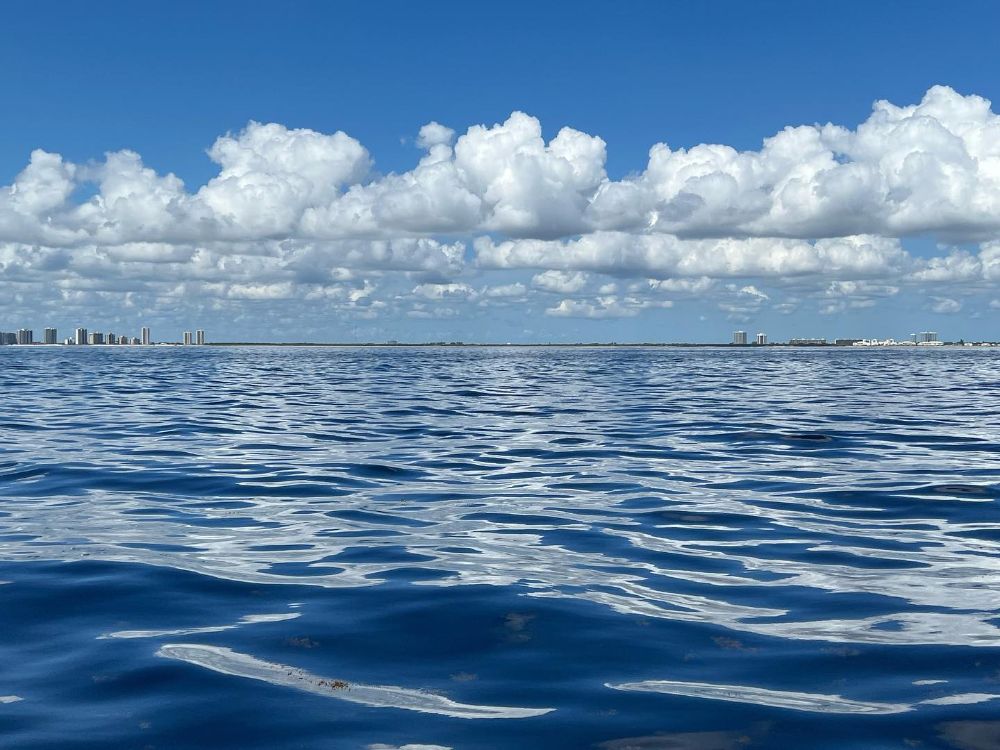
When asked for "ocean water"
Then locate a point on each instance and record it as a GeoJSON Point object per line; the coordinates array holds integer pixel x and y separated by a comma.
{"type": "Point", "coordinates": [684, 549]}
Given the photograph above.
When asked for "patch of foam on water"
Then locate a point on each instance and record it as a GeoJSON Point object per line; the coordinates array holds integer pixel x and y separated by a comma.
{"type": "Point", "coordinates": [10, 698]}
{"type": "Point", "coordinates": [227, 661]}
{"type": "Point", "coordinates": [962, 699]}
{"type": "Point", "coordinates": [245, 620]}
{"type": "Point", "coordinates": [798, 701]}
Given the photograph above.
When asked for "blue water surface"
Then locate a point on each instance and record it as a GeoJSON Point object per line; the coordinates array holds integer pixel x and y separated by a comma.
{"type": "Point", "coordinates": [617, 548]}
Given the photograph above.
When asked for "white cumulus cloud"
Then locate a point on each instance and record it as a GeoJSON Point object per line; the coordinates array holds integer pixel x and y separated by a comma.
{"type": "Point", "coordinates": [294, 213]}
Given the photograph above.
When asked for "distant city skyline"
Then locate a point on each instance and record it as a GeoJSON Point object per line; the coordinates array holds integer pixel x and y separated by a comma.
{"type": "Point", "coordinates": [89, 337]}
{"type": "Point", "coordinates": [740, 338]}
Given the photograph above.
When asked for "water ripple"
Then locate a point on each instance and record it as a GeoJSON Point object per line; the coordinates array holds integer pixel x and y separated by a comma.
{"type": "Point", "coordinates": [229, 662]}
{"type": "Point", "coordinates": [785, 499]}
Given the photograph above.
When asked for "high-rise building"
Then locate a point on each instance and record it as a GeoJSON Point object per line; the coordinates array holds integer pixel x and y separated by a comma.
{"type": "Point", "coordinates": [199, 337]}
{"type": "Point", "coordinates": [80, 336]}
{"type": "Point", "coordinates": [123, 339]}
{"type": "Point", "coordinates": [740, 338]}
{"type": "Point", "coordinates": [96, 338]}
{"type": "Point", "coordinates": [25, 336]}
{"type": "Point", "coordinates": [136, 341]}
{"type": "Point", "coordinates": [761, 339]}
{"type": "Point", "coordinates": [111, 339]}
{"type": "Point", "coordinates": [925, 337]}
{"type": "Point", "coordinates": [51, 336]}
{"type": "Point", "coordinates": [3, 338]}
{"type": "Point", "coordinates": [187, 338]}
{"type": "Point", "coordinates": [10, 338]}
{"type": "Point", "coordinates": [146, 340]}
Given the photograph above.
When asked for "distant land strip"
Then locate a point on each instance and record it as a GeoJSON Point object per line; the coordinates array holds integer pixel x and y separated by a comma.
{"type": "Point", "coordinates": [591, 344]}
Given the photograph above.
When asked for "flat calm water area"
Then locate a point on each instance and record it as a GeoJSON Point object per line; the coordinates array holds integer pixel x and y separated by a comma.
{"type": "Point", "coordinates": [617, 548]}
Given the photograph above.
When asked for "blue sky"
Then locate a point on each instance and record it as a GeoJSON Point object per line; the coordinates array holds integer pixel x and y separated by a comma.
{"type": "Point", "coordinates": [166, 80]}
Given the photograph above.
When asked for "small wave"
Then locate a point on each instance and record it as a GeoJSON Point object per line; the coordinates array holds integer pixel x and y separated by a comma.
{"type": "Point", "coordinates": [245, 620]}
{"type": "Point", "coordinates": [798, 701]}
{"type": "Point", "coordinates": [962, 699]}
{"type": "Point", "coordinates": [817, 702]}
{"type": "Point", "coordinates": [230, 662]}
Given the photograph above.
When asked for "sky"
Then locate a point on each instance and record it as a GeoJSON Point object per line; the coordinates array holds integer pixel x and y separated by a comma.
{"type": "Point", "coordinates": [526, 172]}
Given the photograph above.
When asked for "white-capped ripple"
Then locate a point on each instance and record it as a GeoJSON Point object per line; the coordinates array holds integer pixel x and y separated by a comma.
{"type": "Point", "coordinates": [227, 661]}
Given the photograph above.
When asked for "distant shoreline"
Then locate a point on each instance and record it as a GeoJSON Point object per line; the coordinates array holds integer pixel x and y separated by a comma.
{"type": "Point", "coordinates": [599, 345]}
{"type": "Point", "coordinates": [469, 345]}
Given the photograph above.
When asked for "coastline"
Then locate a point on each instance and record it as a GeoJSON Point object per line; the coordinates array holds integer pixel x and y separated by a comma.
{"type": "Point", "coordinates": [508, 345]}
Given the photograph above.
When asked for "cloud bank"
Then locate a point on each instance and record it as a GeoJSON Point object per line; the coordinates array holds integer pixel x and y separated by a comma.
{"type": "Point", "coordinates": [499, 215]}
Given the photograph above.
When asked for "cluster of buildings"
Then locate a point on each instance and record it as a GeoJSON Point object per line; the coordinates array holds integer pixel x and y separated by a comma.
{"type": "Point", "coordinates": [83, 337]}
{"type": "Point", "coordinates": [924, 338]}
{"type": "Point", "coordinates": [740, 339]}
